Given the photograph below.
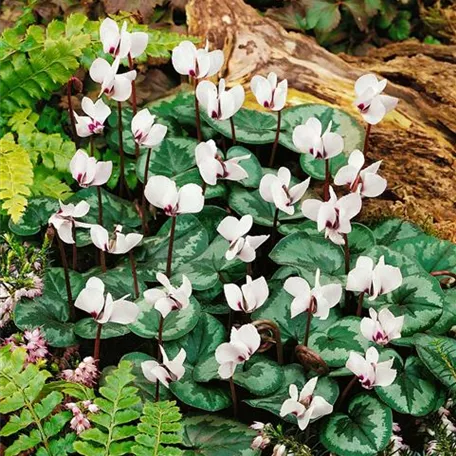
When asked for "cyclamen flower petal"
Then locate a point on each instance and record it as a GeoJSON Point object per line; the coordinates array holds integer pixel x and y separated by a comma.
{"type": "Point", "coordinates": [145, 131]}
{"type": "Point", "coordinates": [170, 299]}
{"type": "Point", "coordinates": [244, 342]}
{"type": "Point", "coordinates": [268, 93]}
{"type": "Point", "coordinates": [93, 123]}
{"type": "Point", "coordinates": [212, 166]}
{"type": "Point", "coordinates": [308, 138]}
{"type": "Point", "coordinates": [370, 102]}
{"type": "Point", "coordinates": [162, 192]}
{"type": "Point", "coordinates": [121, 43]}
{"type": "Point", "coordinates": [166, 372]}
{"type": "Point", "coordinates": [196, 63]}
{"type": "Point", "coordinates": [305, 406]}
{"type": "Point", "coordinates": [369, 371]}
{"type": "Point", "coordinates": [325, 296]}
{"type": "Point", "coordinates": [333, 216]}
{"type": "Point", "coordinates": [383, 327]}
{"type": "Point", "coordinates": [118, 244]}
{"type": "Point", "coordinates": [249, 297]}
{"type": "Point", "coordinates": [234, 230]}
{"type": "Point", "coordinates": [113, 85]}
{"type": "Point", "coordinates": [365, 181]}
{"type": "Point", "coordinates": [87, 171]}
{"type": "Point", "coordinates": [220, 104]}
{"type": "Point", "coordinates": [276, 189]}
{"type": "Point", "coordinates": [64, 219]}
{"type": "Point", "coordinates": [374, 281]}
{"type": "Point", "coordinates": [104, 309]}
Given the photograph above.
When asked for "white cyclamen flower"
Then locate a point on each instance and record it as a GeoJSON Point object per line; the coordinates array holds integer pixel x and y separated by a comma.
{"type": "Point", "coordinates": [305, 406]}
{"type": "Point", "coordinates": [196, 63]}
{"type": "Point", "coordinates": [64, 219]}
{"type": "Point", "coordinates": [365, 181]}
{"type": "Point", "coordinates": [162, 192]}
{"type": "Point", "coordinates": [212, 166]}
{"type": "Point", "coordinates": [118, 243]}
{"type": "Point", "coordinates": [93, 122]}
{"type": "Point", "coordinates": [372, 105]}
{"type": "Point", "coordinates": [369, 371]}
{"type": "Point", "coordinates": [113, 85]}
{"type": "Point", "coordinates": [276, 189]}
{"type": "Point", "coordinates": [89, 172]}
{"type": "Point", "coordinates": [249, 297]}
{"type": "Point", "coordinates": [333, 216]}
{"type": "Point", "coordinates": [244, 342]}
{"type": "Point", "coordinates": [171, 298]}
{"type": "Point", "coordinates": [383, 327]}
{"type": "Point", "coordinates": [220, 104]}
{"type": "Point", "coordinates": [145, 131]}
{"type": "Point", "coordinates": [167, 371]}
{"type": "Point", "coordinates": [324, 296]}
{"type": "Point", "coordinates": [121, 43]}
{"type": "Point", "coordinates": [373, 280]}
{"type": "Point", "coordinates": [241, 246]}
{"type": "Point", "coordinates": [268, 93]}
{"type": "Point", "coordinates": [309, 138]}
{"type": "Point", "coordinates": [104, 309]}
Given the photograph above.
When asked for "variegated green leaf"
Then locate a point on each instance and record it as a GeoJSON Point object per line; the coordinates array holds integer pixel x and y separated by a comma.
{"type": "Point", "coordinates": [393, 230]}
{"type": "Point", "coordinates": [87, 329]}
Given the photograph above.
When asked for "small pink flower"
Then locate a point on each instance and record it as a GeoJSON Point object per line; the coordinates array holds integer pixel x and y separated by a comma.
{"type": "Point", "coordinates": [85, 374]}
{"type": "Point", "coordinates": [260, 442]}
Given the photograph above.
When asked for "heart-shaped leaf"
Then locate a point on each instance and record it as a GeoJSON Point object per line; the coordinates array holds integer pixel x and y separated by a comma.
{"type": "Point", "coordinates": [393, 230]}
{"type": "Point", "coordinates": [87, 329]}
{"type": "Point", "coordinates": [209, 435]}
{"type": "Point", "coordinates": [252, 127]}
{"type": "Point", "coordinates": [439, 355]}
{"type": "Point", "coordinates": [295, 374]}
{"type": "Point", "coordinates": [364, 431]}
{"type": "Point", "coordinates": [338, 340]}
{"type": "Point", "coordinates": [413, 392]}
{"type": "Point", "coordinates": [36, 215]}
{"type": "Point", "coordinates": [50, 311]}
{"type": "Point", "coordinates": [448, 318]}
{"type": "Point", "coordinates": [342, 123]}
{"type": "Point", "coordinates": [176, 324]}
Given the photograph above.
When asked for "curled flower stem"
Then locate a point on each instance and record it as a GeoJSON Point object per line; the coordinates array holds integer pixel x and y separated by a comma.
{"type": "Point", "coordinates": [121, 149]}
{"type": "Point", "coordinates": [345, 392]}
{"type": "Point", "coordinates": [445, 273]}
{"type": "Point", "coordinates": [67, 274]}
{"type": "Point", "coordinates": [310, 312]}
{"type": "Point", "coordinates": [75, 249]}
{"type": "Point", "coordinates": [234, 397]}
{"type": "Point", "coordinates": [327, 179]}
{"type": "Point", "coordinates": [70, 108]}
{"type": "Point", "coordinates": [133, 271]}
{"type": "Point", "coordinates": [276, 140]}
{"type": "Point", "coordinates": [96, 348]}
{"type": "Point", "coordinates": [199, 134]}
{"type": "Point", "coordinates": [144, 203]}
{"type": "Point", "coordinates": [265, 327]}
{"type": "Point", "coordinates": [233, 131]}
{"type": "Point", "coordinates": [133, 99]}
{"type": "Point", "coordinates": [360, 304]}
{"type": "Point", "coordinates": [366, 139]}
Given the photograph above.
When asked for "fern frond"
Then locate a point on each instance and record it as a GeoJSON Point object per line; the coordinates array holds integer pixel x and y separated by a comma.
{"type": "Point", "coordinates": [160, 427]}
{"type": "Point", "coordinates": [17, 177]}
{"type": "Point", "coordinates": [45, 184]}
{"type": "Point", "coordinates": [20, 387]}
{"type": "Point", "coordinates": [112, 435]}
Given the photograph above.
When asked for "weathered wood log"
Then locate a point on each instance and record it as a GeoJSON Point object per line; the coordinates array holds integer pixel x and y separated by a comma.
{"type": "Point", "coordinates": [417, 141]}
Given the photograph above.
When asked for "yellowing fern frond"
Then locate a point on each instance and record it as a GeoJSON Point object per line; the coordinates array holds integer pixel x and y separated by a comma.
{"type": "Point", "coordinates": [16, 177]}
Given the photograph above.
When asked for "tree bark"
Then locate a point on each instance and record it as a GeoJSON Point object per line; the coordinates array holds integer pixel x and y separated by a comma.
{"type": "Point", "coordinates": [416, 142]}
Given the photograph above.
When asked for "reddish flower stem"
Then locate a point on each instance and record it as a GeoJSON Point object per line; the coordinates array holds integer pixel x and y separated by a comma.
{"type": "Point", "coordinates": [327, 179]}
{"type": "Point", "coordinates": [96, 349]}
{"type": "Point", "coordinates": [346, 254]}
{"type": "Point", "coordinates": [144, 202]}
{"type": "Point", "coordinates": [67, 275]}
{"type": "Point", "coordinates": [199, 133]}
{"type": "Point", "coordinates": [133, 271]}
{"type": "Point", "coordinates": [276, 140]}
{"type": "Point", "coordinates": [91, 146]}
{"type": "Point", "coordinates": [366, 139]}
{"type": "Point", "coordinates": [310, 312]}
{"type": "Point", "coordinates": [103, 261]}
{"type": "Point", "coordinates": [345, 392]}
{"type": "Point", "coordinates": [75, 249]}
{"type": "Point", "coordinates": [274, 227]}
{"type": "Point", "coordinates": [169, 260]}
{"type": "Point", "coordinates": [360, 304]}
{"type": "Point", "coordinates": [159, 356]}
{"type": "Point", "coordinates": [121, 150]}
{"type": "Point", "coordinates": [234, 397]}
{"type": "Point", "coordinates": [70, 108]}
{"type": "Point", "coordinates": [233, 131]}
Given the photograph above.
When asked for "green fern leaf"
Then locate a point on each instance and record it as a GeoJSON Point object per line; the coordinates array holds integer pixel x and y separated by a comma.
{"type": "Point", "coordinates": [17, 177]}
{"type": "Point", "coordinates": [45, 184]}
{"type": "Point", "coordinates": [160, 426]}
{"type": "Point", "coordinates": [112, 434]}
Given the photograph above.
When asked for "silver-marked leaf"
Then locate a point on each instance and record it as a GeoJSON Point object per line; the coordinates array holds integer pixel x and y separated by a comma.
{"type": "Point", "coordinates": [448, 318]}
{"type": "Point", "coordinates": [393, 230]}
{"type": "Point", "coordinates": [176, 324]}
{"type": "Point", "coordinates": [209, 435]}
{"type": "Point", "coordinates": [210, 217]}
{"type": "Point", "coordinates": [337, 341]}
{"type": "Point", "coordinates": [51, 311]}
{"type": "Point", "coordinates": [87, 329]}
{"type": "Point", "coordinates": [364, 431]}
{"type": "Point", "coordinates": [413, 392]}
